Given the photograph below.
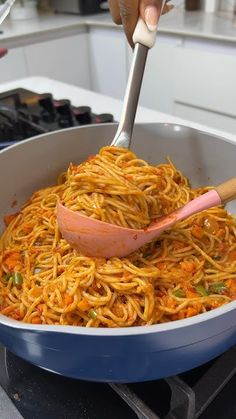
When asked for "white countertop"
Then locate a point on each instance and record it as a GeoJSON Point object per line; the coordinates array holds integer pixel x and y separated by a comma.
{"type": "Point", "coordinates": [202, 25]}
{"type": "Point", "coordinates": [100, 103]}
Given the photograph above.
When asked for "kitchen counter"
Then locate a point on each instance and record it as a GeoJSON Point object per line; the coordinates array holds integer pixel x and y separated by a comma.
{"type": "Point", "coordinates": [101, 103]}
{"type": "Point", "coordinates": [216, 27]}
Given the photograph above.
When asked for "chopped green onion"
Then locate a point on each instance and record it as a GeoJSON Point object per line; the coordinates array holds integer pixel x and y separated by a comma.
{"type": "Point", "coordinates": [201, 290]}
{"type": "Point", "coordinates": [218, 288]}
{"type": "Point", "coordinates": [92, 314]}
{"type": "Point", "coordinates": [17, 279]}
{"type": "Point", "coordinates": [7, 276]}
{"type": "Point", "coordinates": [179, 293]}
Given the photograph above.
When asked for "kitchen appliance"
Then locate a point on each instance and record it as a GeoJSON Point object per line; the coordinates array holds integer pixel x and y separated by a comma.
{"type": "Point", "coordinates": [24, 114]}
{"type": "Point", "coordinates": [124, 354]}
{"type": "Point", "coordinates": [82, 7]}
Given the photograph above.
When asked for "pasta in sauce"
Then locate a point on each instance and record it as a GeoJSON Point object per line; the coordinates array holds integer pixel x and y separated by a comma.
{"type": "Point", "coordinates": [188, 270]}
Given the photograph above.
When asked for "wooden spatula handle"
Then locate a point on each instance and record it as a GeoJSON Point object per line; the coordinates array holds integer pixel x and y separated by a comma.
{"type": "Point", "coordinates": [227, 190]}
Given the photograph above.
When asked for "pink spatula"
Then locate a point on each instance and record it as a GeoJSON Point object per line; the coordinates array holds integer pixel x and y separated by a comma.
{"type": "Point", "coordinates": [98, 239]}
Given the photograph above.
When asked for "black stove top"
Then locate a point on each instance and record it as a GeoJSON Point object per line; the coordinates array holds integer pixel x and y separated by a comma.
{"type": "Point", "coordinates": [24, 114]}
{"type": "Point", "coordinates": [207, 392]}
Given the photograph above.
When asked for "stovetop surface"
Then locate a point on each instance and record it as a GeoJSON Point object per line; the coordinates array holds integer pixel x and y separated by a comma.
{"type": "Point", "coordinates": [41, 394]}
{"type": "Point", "coordinates": [25, 114]}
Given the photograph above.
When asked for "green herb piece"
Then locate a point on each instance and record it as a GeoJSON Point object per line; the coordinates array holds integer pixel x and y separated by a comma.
{"type": "Point", "coordinates": [201, 290]}
{"type": "Point", "coordinates": [218, 288]}
{"type": "Point", "coordinates": [7, 276]}
{"type": "Point", "coordinates": [179, 293]}
{"type": "Point", "coordinates": [17, 279]}
{"type": "Point", "coordinates": [92, 314]}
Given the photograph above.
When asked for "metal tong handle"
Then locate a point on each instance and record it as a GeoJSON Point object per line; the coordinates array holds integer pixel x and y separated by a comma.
{"type": "Point", "coordinates": [144, 39]}
{"type": "Point", "coordinates": [5, 9]}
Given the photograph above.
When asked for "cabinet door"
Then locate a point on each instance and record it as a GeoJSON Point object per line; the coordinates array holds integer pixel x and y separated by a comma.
{"type": "Point", "coordinates": [65, 59]}
{"type": "Point", "coordinates": [205, 77]}
{"type": "Point", "coordinates": [211, 119]}
{"type": "Point", "coordinates": [158, 82]}
{"type": "Point", "coordinates": [13, 65]}
{"type": "Point", "coordinates": [108, 62]}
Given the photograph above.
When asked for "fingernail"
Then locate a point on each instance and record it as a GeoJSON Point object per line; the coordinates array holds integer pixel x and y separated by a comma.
{"type": "Point", "coordinates": [3, 51]}
{"type": "Point", "coordinates": [151, 15]}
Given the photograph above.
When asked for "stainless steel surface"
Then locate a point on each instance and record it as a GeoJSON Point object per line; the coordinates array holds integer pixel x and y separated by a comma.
{"type": "Point", "coordinates": [125, 128]}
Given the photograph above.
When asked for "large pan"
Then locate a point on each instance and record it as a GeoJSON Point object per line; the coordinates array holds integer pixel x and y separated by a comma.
{"type": "Point", "coordinates": [125, 354]}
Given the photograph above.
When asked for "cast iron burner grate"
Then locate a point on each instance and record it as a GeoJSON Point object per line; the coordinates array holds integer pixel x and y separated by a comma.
{"type": "Point", "coordinates": [206, 392]}
{"type": "Point", "coordinates": [190, 397]}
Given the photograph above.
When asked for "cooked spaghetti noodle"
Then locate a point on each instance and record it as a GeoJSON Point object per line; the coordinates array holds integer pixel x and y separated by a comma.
{"type": "Point", "coordinates": [189, 270]}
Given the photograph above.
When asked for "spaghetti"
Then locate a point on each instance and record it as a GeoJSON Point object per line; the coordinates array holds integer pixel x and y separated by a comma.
{"type": "Point", "coordinates": [189, 270]}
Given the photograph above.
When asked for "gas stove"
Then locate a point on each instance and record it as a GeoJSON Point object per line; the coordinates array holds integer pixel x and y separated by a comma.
{"type": "Point", "coordinates": [207, 392]}
{"type": "Point", "coordinates": [25, 114]}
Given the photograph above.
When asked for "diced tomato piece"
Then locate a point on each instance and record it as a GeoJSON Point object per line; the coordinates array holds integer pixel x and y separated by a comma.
{"type": "Point", "coordinates": [197, 231]}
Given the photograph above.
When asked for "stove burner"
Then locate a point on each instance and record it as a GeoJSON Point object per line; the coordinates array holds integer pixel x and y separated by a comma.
{"type": "Point", "coordinates": [25, 114]}
{"type": "Point", "coordinates": [206, 392]}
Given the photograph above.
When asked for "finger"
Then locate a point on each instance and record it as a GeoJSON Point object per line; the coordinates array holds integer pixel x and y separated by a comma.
{"type": "Point", "coordinates": [129, 11]}
{"type": "Point", "coordinates": [3, 51]}
{"type": "Point", "coordinates": [150, 11]}
{"type": "Point", "coordinates": [115, 11]}
{"type": "Point", "coordinates": [167, 8]}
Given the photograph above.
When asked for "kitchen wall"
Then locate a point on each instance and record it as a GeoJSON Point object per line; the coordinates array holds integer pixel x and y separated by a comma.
{"type": "Point", "coordinates": [227, 5]}
{"type": "Point", "coordinates": [190, 71]}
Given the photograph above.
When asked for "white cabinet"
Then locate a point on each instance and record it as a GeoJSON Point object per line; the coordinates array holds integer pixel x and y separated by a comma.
{"type": "Point", "coordinates": [64, 59]}
{"type": "Point", "coordinates": [108, 61]}
{"type": "Point", "coordinates": [190, 78]}
{"type": "Point", "coordinates": [205, 84]}
{"type": "Point", "coordinates": [159, 76]}
{"type": "Point", "coordinates": [205, 117]}
{"type": "Point", "coordinates": [205, 77]}
{"type": "Point", "coordinates": [13, 65]}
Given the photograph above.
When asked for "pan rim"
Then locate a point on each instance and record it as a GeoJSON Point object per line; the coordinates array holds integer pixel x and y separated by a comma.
{"type": "Point", "coordinates": [124, 331]}
{"type": "Point", "coordinates": [133, 330]}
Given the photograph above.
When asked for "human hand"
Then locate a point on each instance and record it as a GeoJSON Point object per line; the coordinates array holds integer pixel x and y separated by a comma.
{"type": "Point", "coordinates": [127, 12]}
{"type": "Point", "coordinates": [3, 51]}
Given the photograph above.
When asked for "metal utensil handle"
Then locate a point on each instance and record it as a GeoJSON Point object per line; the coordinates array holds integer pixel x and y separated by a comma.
{"type": "Point", "coordinates": [125, 128]}
{"type": "Point", "coordinates": [5, 9]}
{"type": "Point", "coordinates": [144, 39]}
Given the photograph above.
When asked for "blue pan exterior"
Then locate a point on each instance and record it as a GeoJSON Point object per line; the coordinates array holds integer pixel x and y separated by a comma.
{"type": "Point", "coordinates": [127, 354]}
{"type": "Point", "coordinates": [123, 357]}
